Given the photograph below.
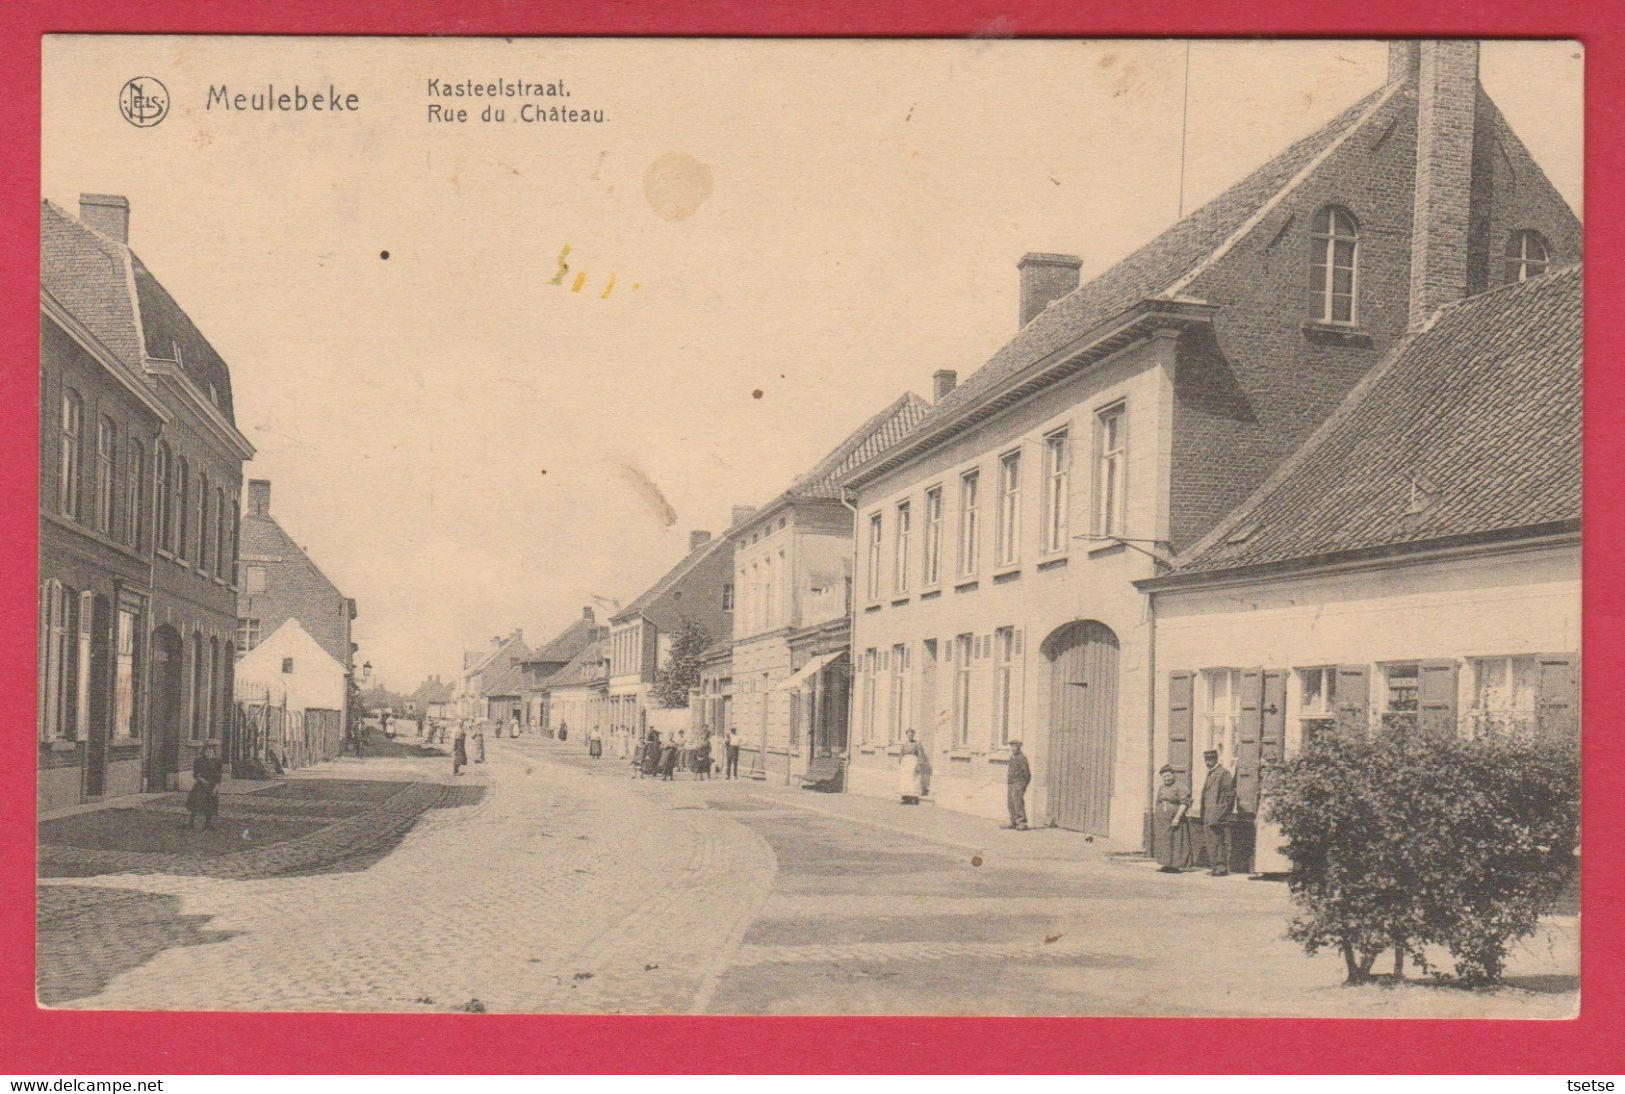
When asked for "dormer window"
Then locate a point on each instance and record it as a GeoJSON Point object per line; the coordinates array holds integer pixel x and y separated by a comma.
{"type": "Point", "coordinates": [1527, 256]}
{"type": "Point", "coordinates": [1334, 254]}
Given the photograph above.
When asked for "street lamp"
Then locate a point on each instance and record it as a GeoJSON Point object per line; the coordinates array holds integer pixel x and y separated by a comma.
{"type": "Point", "coordinates": [366, 672]}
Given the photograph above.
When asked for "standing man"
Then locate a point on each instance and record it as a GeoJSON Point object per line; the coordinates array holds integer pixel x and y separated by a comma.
{"type": "Point", "coordinates": [1218, 809]}
{"type": "Point", "coordinates": [1017, 776]}
{"type": "Point", "coordinates": [420, 723]}
{"type": "Point", "coordinates": [732, 770]}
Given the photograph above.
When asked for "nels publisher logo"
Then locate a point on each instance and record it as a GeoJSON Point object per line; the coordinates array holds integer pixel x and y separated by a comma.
{"type": "Point", "coordinates": [144, 101]}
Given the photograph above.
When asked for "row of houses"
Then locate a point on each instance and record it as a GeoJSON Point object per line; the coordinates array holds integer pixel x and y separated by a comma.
{"type": "Point", "coordinates": [1310, 457]}
{"type": "Point", "coordinates": [147, 615]}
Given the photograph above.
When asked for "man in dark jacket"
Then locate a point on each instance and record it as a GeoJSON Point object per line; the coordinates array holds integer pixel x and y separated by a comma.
{"type": "Point", "coordinates": [1218, 810]}
{"type": "Point", "coordinates": [1017, 776]}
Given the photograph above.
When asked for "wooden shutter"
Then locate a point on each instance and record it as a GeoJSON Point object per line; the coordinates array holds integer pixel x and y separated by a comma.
{"type": "Point", "coordinates": [44, 677]}
{"type": "Point", "coordinates": [1272, 735]}
{"type": "Point", "coordinates": [1249, 728]}
{"type": "Point", "coordinates": [81, 699]}
{"type": "Point", "coordinates": [1437, 682]}
{"type": "Point", "coordinates": [1353, 699]}
{"type": "Point", "coordinates": [1557, 695]}
{"type": "Point", "coordinates": [1181, 724]}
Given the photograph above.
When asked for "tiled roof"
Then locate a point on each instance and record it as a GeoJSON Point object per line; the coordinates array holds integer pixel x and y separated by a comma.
{"type": "Point", "coordinates": [1159, 268]}
{"type": "Point", "coordinates": [571, 641]}
{"type": "Point", "coordinates": [1474, 422]}
{"type": "Point", "coordinates": [171, 335]}
{"type": "Point", "coordinates": [585, 667]}
{"type": "Point", "coordinates": [865, 443]}
{"type": "Point", "coordinates": [431, 691]}
{"type": "Point", "coordinates": [506, 676]}
{"type": "Point", "coordinates": [88, 275]}
{"type": "Point", "coordinates": [647, 602]}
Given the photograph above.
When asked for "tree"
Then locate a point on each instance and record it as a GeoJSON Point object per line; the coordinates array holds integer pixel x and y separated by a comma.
{"type": "Point", "coordinates": [1408, 840]}
{"type": "Point", "coordinates": [682, 669]}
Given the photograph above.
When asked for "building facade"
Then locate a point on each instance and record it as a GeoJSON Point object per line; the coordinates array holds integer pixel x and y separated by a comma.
{"type": "Point", "coordinates": [141, 466]}
{"type": "Point", "coordinates": [1415, 568]}
{"type": "Point", "coordinates": [484, 669]}
{"type": "Point", "coordinates": [1000, 544]}
{"type": "Point", "coordinates": [543, 664]}
{"type": "Point", "coordinates": [578, 700]}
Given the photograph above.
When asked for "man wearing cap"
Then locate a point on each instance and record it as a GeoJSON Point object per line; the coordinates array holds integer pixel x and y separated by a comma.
{"type": "Point", "coordinates": [1218, 808]}
{"type": "Point", "coordinates": [1017, 776]}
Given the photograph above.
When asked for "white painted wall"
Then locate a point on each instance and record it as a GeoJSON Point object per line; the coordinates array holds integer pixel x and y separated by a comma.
{"type": "Point", "coordinates": [317, 680]}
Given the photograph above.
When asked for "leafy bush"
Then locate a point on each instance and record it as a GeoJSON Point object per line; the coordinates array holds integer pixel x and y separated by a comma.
{"type": "Point", "coordinates": [682, 669]}
{"type": "Point", "coordinates": [1403, 841]}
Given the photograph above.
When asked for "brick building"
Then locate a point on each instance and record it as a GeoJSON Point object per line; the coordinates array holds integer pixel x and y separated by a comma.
{"type": "Point", "coordinates": [140, 466]}
{"type": "Point", "coordinates": [545, 663]}
{"type": "Point", "coordinates": [1126, 417]}
{"type": "Point", "coordinates": [492, 671]}
{"type": "Point", "coordinates": [279, 582]}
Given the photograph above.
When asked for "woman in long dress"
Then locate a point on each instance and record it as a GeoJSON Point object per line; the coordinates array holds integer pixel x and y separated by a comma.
{"type": "Point", "coordinates": [1170, 833]}
{"type": "Point", "coordinates": [459, 750]}
{"type": "Point", "coordinates": [910, 785]}
{"type": "Point", "coordinates": [668, 759]}
{"type": "Point", "coordinates": [595, 745]}
{"type": "Point", "coordinates": [650, 766]}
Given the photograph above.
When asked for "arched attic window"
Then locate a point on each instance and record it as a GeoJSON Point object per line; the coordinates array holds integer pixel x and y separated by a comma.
{"type": "Point", "coordinates": [1527, 256]}
{"type": "Point", "coordinates": [1334, 255]}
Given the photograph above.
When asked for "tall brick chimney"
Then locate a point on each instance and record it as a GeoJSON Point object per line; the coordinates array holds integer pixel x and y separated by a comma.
{"type": "Point", "coordinates": [259, 497]}
{"type": "Point", "coordinates": [697, 539]}
{"type": "Point", "coordinates": [1045, 278]}
{"type": "Point", "coordinates": [1402, 59]}
{"type": "Point", "coordinates": [108, 214]}
{"type": "Point", "coordinates": [1446, 101]}
{"type": "Point", "coordinates": [943, 381]}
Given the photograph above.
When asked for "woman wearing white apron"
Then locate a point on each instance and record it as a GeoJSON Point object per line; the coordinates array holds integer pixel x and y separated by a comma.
{"type": "Point", "coordinates": [909, 783]}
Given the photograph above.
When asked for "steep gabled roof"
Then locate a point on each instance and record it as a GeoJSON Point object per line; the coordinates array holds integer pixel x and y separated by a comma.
{"type": "Point", "coordinates": [88, 274]}
{"type": "Point", "coordinates": [585, 668]}
{"type": "Point", "coordinates": [432, 691]}
{"type": "Point", "coordinates": [648, 602]}
{"type": "Point", "coordinates": [571, 641]}
{"type": "Point", "coordinates": [506, 676]}
{"type": "Point", "coordinates": [261, 535]}
{"type": "Point", "coordinates": [1161, 269]}
{"type": "Point", "coordinates": [1469, 427]}
{"type": "Point", "coordinates": [870, 439]}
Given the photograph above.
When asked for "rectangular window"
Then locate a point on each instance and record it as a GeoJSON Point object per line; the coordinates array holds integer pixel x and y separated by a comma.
{"type": "Point", "coordinates": [1221, 711]}
{"type": "Point", "coordinates": [1402, 697]}
{"type": "Point", "coordinates": [202, 556]}
{"type": "Point", "coordinates": [135, 493]}
{"type": "Point", "coordinates": [106, 470]}
{"type": "Point", "coordinates": [868, 707]}
{"type": "Point", "coordinates": [124, 678]}
{"type": "Point", "coordinates": [1004, 671]}
{"type": "Point", "coordinates": [727, 598]}
{"type": "Point", "coordinates": [1009, 531]}
{"type": "Point", "coordinates": [162, 523]}
{"type": "Point", "coordinates": [874, 557]}
{"type": "Point", "coordinates": [1110, 466]}
{"type": "Point", "coordinates": [68, 458]}
{"type": "Point", "coordinates": [900, 693]}
{"type": "Point", "coordinates": [254, 580]}
{"type": "Point", "coordinates": [1502, 702]}
{"type": "Point", "coordinates": [183, 502]}
{"type": "Point", "coordinates": [900, 561]}
{"type": "Point", "coordinates": [222, 527]}
{"type": "Point", "coordinates": [970, 531]}
{"type": "Point", "coordinates": [248, 634]}
{"type": "Point", "coordinates": [964, 648]}
{"type": "Point", "coordinates": [1057, 476]}
{"type": "Point", "coordinates": [1317, 702]}
{"type": "Point", "coordinates": [932, 548]}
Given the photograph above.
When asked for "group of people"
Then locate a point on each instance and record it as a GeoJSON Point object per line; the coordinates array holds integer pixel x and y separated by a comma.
{"type": "Point", "coordinates": [1174, 831]}
{"type": "Point", "coordinates": [914, 778]}
{"type": "Point", "coordinates": [460, 744]}
{"type": "Point", "coordinates": [657, 758]}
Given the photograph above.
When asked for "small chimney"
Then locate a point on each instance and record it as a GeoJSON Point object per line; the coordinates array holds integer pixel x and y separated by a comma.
{"type": "Point", "coordinates": [696, 540]}
{"type": "Point", "coordinates": [1402, 59]}
{"type": "Point", "coordinates": [586, 613]}
{"type": "Point", "coordinates": [943, 381]}
{"type": "Point", "coordinates": [1446, 103]}
{"type": "Point", "coordinates": [741, 513]}
{"type": "Point", "coordinates": [108, 214]}
{"type": "Point", "coordinates": [259, 497]}
{"type": "Point", "coordinates": [1045, 278]}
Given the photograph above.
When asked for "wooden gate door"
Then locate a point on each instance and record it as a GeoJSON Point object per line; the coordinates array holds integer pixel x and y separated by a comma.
{"type": "Point", "coordinates": [1083, 726]}
{"type": "Point", "coordinates": [163, 747]}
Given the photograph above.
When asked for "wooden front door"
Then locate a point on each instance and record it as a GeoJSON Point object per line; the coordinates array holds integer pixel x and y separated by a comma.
{"type": "Point", "coordinates": [164, 721]}
{"type": "Point", "coordinates": [1082, 747]}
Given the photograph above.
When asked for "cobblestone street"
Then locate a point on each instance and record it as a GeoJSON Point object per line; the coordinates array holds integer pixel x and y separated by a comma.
{"type": "Point", "coordinates": [543, 882]}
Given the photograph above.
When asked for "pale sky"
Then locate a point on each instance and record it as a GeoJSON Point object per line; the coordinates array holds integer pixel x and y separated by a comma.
{"type": "Point", "coordinates": [449, 433]}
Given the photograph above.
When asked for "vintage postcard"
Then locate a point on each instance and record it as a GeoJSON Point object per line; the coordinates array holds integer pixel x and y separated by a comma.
{"type": "Point", "coordinates": [681, 526]}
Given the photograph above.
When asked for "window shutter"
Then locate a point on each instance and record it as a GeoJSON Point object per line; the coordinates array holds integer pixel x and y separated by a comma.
{"type": "Point", "coordinates": [1181, 724]}
{"type": "Point", "coordinates": [47, 606]}
{"type": "Point", "coordinates": [1249, 727]}
{"type": "Point", "coordinates": [1353, 699]}
{"type": "Point", "coordinates": [1437, 683]}
{"type": "Point", "coordinates": [1017, 643]}
{"type": "Point", "coordinates": [1272, 738]}
{"type": "Point", "coordinates": [1557, 697]}
{"type": "Point", "coordinates": [81, 699]}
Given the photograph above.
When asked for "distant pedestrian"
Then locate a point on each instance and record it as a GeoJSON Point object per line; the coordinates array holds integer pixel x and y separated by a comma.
{"type": "Point", "coordinates": [731, 771]}
{"type": "Point", "coordinates": [420, 725]}
{"type": "Point", "coordinates": [204, 797]}
{"type": "Point", "coordinates": [1170, 835]}
{"type": "Point", "coordinates": [909, 785]}
{"type": "Point", "coordinates": [383, 723]}
{"type": "Point", "coordinates": [479, 742]}
{"type": "Point", "coordinates": [459, 750]}
{"type": "Point", "coordinates": [668, 759]}
{"type": "Point", "coordinates": [1016, 776]}
{"type": "Point", "coordinates": [595, 745]}
{"type": "Point", "coordinates": [650, 765]}
{"type": "Point", "coordinates": [702, 758]}
{"type": "Point", "coordinates": [1218, 811]}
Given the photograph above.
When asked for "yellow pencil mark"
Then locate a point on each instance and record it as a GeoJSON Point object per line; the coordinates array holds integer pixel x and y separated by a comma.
{"type": "Point", "coordinates": [581, 279]}
{"type": "Point", "coordinates": [608, 288]}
